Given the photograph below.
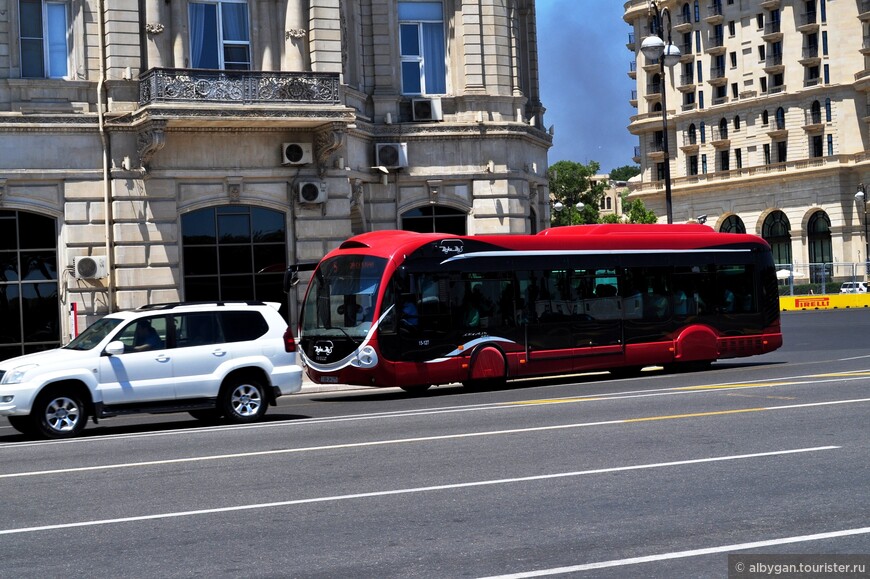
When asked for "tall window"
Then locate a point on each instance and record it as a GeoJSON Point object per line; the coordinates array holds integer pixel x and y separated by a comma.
{"type": "Point", "coordinates": [44, 48]}
{"type": "Point", "coordinates": [29, 306]}
{"type": "Point", "coordinates": [819, 237]}
{"type": "Point", "coordinates": [219, 35]}
{"type": "Point", "coordinates": [423, 49]}
{"type": "Point", "coordinates": [733, 224]}
{"type": "Point", "coordinates": [234, 252]}
{"type": "Point", "coordinates": [776, 230]}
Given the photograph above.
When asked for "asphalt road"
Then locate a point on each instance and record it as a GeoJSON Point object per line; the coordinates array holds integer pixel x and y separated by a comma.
{"type": "Point", "coordinates": [658, 476]}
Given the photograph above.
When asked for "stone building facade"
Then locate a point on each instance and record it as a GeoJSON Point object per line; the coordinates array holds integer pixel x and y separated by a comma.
{"type": "Point", "coordinates": [767, 123]}
{"type": "Point", "coordinates": [155, 151]}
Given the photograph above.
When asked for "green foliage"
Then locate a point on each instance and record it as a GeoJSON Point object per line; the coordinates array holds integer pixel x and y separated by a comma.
{"type": "Point", "coordinates": [624, 173]}
{"type": "Point", "coordinates": [569, 185]}
{"type": "Point", "coordinates": [636, 211]}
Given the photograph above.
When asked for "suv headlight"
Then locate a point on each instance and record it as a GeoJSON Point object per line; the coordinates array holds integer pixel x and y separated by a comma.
{"type": "Point", "coordinates": [16, 375]}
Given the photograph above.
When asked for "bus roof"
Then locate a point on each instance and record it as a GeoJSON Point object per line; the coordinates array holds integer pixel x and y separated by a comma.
{"type": "Point", "coordinates": [388, 243]}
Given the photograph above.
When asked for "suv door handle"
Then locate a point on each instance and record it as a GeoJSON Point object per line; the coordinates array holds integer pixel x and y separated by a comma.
{"type": "Point", "coordinates": [162, 358]}
{"type": "Point", "coordinates": [218, 352]}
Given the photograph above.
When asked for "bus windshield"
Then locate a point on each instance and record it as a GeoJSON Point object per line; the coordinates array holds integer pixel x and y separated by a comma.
{"type": "Point", "coordinates": [342, 296]}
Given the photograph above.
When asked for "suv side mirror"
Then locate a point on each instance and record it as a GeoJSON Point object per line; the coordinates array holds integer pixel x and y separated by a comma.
{"type": "Point", "coordinates": [114, 348]}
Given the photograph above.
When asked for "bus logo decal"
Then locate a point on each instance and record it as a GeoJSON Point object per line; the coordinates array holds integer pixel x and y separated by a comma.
{"type": "Point", "coordinates": [449, 246]}
{"type": "Point", "coordinates": [323, 348]}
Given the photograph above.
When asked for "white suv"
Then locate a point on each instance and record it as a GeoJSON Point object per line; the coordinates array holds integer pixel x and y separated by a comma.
{"type": "Point", "coordinates": [853, 287]}
{"type": "Point", "coordinates": [219, 360]}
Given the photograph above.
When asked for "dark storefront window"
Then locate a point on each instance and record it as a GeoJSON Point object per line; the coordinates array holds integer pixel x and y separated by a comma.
{"type": "Point", "coordinates": [434, 218]}
{"type": "Point", "coordinates": [235, 252]}
{"type": "Point", "coordinates": [29, 305]}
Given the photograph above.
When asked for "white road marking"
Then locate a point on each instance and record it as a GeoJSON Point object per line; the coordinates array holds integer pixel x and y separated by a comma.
{"type": "Point", "coordinates": [336, 498]}
{"type": "Point", "coordinates": [458, 436]}
{"type": "Point", "coordinates": [685, 554]}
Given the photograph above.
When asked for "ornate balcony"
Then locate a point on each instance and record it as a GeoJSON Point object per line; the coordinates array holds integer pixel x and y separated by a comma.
{"type": "Point", "coordinates": [223, 98]}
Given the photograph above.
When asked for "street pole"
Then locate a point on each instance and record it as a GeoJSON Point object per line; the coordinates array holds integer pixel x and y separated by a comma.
{"type": "Point", "coordinates": [668, 54]}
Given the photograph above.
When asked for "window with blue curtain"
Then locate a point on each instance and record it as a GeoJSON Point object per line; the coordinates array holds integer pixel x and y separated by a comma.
{"type": "Point", "coordinates": [43, 36]}
{"type": "Point", "coordinates": [422, 47]}
{"type": "Point", "coordinates": [219, 35]}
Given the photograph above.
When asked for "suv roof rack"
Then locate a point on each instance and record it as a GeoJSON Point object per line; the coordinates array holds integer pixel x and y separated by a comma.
{"type": "Point", "coordinates": [170, 305]}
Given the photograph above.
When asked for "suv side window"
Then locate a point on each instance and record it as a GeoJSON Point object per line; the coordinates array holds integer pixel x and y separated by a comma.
{"type": "Point", "coordinates": [197, 329]}
{"type": "Point", "coordinates": [144, 334]}
{"type": "Point", "coordinates": [243, 326]}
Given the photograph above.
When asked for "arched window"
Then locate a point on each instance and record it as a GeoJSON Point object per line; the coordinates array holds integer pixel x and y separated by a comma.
{"type": "Point", "coordinates": [733, 224]}
{"type": "Point", "coordinates": [780, 119]}
{"type": "Point", "coordinates": [764, 118]}
{"type": "Point", "coordinates": [657, 108]}
{"type": "Point", "coordinates": [723, 128]}
{"type": "Point", "coordinates": [29, 305]}
{"type": "Point", "coordinates": [737, 123]}
{"type": "Point", "coordinates": [431, 218]}
{"type": "Point", "coordinates": [819, 238]}
{"type": "Point", "coordinates": [687, 13]}
{"type": "Point", "coordinates": [693, 134]}
{"type": "Point", "coordinates": [816, 112]}
{"type": "Point", "coordinates": [234, 252]}
{"type": "Point", "coordinates": [777, 232]}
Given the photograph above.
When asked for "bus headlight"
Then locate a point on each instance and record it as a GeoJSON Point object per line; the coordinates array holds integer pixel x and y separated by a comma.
{"type": "Point", "coordinates": [367, 358]}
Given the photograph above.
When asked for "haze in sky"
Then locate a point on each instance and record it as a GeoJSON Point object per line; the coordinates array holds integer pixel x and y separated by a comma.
{"type": "Point", "coordinates": [584, 80]}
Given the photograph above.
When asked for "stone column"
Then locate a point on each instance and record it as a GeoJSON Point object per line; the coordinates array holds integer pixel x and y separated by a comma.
{"type": "Point", "coordinates": [157, 34]}
{"type": "Point", "coordinates": [295, 35]}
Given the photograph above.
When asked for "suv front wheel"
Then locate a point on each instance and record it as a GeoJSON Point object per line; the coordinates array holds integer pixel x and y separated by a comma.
{"type": "Point", "coordinates": [243, 400]}
{"type": "Point", "coordinates": [58, 414]}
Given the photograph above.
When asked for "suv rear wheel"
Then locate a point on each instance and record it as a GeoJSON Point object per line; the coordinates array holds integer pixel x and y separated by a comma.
{"type": "Point", "coordinates": [243, 400]}
{"type": "Point", "coordinates": [58, 414]}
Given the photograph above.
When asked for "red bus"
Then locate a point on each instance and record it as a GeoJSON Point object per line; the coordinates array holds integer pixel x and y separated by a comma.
{"type": "Point", "coordinates": [406, 309]}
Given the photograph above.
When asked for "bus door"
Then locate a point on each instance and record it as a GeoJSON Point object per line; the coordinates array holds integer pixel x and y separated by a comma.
{"type": "Point", "coordinates": [546, 314]}
{"type": "Point", "coordinates": [596, 320]}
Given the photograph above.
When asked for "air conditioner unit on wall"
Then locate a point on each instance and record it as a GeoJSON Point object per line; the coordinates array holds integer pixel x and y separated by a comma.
{"type": "Point", "coordinates": [296, 153]}
{"type": "Point", "coordinates": [89, 267]}
{"type": "Point", "coordinates": [312, 192]}
{"type": "Point", "coordinates": [391, 155]}
{"type": "Point", "coordinates": [426, 109]}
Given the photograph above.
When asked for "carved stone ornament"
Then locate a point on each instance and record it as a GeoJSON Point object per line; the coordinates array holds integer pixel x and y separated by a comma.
{"type": "Point", "coordinates": [326, 142]}
{"type": "Point", "coordinates": [154, 28]}
{"type": "Point", "coordinates": [234, 189]}
{"type": "Point", "coordinates": [294, 33]}
{"type": "Point", "coordinates": [148, 142]}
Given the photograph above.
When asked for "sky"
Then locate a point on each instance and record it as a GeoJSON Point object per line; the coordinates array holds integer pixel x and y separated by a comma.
{"type": "Point", "coordinates": [584, 81]}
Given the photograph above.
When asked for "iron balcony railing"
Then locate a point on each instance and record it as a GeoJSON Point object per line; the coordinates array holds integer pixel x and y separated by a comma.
{"type": "Point", "coordinates": [244, 86]}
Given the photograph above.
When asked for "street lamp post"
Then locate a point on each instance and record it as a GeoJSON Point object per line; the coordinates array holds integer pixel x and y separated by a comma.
{"type": "Point", "coordinates": [861, 197]}
{"type": "Point", "coordinates": [654, 47]}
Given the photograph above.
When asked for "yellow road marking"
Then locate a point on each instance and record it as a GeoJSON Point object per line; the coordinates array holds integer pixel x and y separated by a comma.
{"type": "Point", "coordinates": [739, 385]}
{"type": "Point", "coordinates": [552, 401]}
{"type": "Point", "coordinates": [694, 415]}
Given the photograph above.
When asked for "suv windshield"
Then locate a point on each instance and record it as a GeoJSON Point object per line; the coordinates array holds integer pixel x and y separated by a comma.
{"type": "Point", "coordinates": [342, 296]}
{"type": "Point", "coordinates": [94, 334]}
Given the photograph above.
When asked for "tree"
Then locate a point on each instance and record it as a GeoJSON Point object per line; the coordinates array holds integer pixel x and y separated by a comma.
{"type": "Point", "coordinates": [636, 211]}
{"type": "Point", "coordinates": [571, 183]}
{"type": "Point", "coordinates": [624, 173]}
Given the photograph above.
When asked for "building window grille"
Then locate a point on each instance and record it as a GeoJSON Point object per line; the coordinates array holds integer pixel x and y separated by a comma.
{"type": "Point", "coordinates": [733, 224]}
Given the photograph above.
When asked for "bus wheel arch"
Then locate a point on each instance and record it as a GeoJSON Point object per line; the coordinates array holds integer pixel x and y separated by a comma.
{"type": "Point", "coordinates": [696, 344]}
{"type": "Point", "coordinates": [487, 367]}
